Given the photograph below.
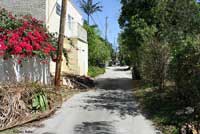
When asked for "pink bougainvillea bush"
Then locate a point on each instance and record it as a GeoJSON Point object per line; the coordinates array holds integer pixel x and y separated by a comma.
{"type": "Point", "coordinates": [25, 36]}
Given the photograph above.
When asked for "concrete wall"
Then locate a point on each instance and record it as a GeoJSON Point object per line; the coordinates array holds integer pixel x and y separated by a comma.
{"type": "Point", "coordinates": [72, 66]}
{"type": "Point", "coordinates": [76, 31]}
{"type": "Point", "coordinates": [78, 58]}
{"type": "Point", "coordinates": [82, 57]}
{"type": "Point", "coordinates": [37, 8]}
{"type": "Point", "coordinates": [31, 70]}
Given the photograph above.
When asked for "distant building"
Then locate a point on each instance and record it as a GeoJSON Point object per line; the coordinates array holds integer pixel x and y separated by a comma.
{"type": "Point", "coordinates": [76, 36]}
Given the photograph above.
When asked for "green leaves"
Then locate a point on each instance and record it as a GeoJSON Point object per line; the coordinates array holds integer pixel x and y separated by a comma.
{"type": "Point", "coordinates": [40, 102]}
{"type": "Point", "coordinates": [99, 49]}
{"type": "Point", "coordinates": [7, 21]}
{"type": "Point", "coordinates": [89, 7]}
{"type": "Point", "coordinates": [160, 38]}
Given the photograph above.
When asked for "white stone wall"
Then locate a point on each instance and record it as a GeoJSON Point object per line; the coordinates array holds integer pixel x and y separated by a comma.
{"type": "Point", "coordinates": [31, 70]}
{"type": "Point", "coordinates": [76, 31]}
{"type": "Point", "coordinates": [83, 58]}
{"type": "Point", "coordinates": [24, 7]}
{"type": "Point", "coordinates": [78, 58]}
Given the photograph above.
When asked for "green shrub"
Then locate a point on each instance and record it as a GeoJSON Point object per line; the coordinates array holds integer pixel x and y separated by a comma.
{"type": "Point", "coordinates": [185, 71]}
{"type": "Point", "coordinates": [40, 102]}
{"type": "Point", "coordinates": [95, 71]}
{"type": "Point", "coordinates": [99, 49]}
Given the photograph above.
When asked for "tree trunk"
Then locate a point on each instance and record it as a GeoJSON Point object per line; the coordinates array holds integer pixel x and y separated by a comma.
{"type": "Point", "coordinates": [136, 74]}
{"type": "Point", "coordinates": [60, 44]}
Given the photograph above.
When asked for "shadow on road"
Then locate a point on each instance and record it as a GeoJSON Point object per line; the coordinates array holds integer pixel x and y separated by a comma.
{"type": "Point", "coordinates": [102, 127]}
{"type": "Point", "coordinates": [115, 95]}
{"type": "Point", "coordinates": [122, 69]}
{"type": "Point", "coordinates": [114, 84]}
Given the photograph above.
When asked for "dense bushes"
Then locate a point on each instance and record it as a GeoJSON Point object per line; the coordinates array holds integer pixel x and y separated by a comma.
{"type": "Point", "coordinates": [160, 40]}
{"type": "Point", "coordinates": [99, 49]}
{"type": "Point", "coordinates": [185, 71]}
{"type": "Point", "coordinates": [154, 63]}
{"type": "Point", "coordinates": [95, 71]}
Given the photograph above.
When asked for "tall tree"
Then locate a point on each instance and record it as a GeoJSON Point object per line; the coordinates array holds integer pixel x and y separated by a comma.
{"type": "Point", "coordinates": [99, 49]}
{"type": "Point", "coordinates": [90, 8]}
{"type": "Point", "coordinates": [162, 39]}
{"type": "Point", "coordinates": [160, 24]}
{"type": "Point", "coordinates": [137, 21]}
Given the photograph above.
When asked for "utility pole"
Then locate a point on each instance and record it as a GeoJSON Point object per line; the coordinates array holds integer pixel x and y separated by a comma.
{"type": "Point", "coordinates": [106, 28]}
{"type": "Point", "coordinates": [60, 44]}
{"type": "Point", "coordinates": [114, 42]}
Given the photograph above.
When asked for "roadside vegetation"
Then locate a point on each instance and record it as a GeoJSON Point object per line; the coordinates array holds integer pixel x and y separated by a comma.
{"type": "Point", "coordinates": [164, 108]}
{"type": "Point", "coordinates": [160, 41]}
{"type": "Point", "coordinates": [95, 71]}
{"type": "Point", "coordinates": [99, 51]}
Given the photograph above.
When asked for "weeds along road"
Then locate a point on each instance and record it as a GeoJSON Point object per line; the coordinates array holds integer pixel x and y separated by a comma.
{"type": "Point", "coordinates": [111, 109]}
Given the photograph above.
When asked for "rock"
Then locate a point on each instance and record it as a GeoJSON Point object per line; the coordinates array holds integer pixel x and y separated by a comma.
{"type": "Point", "coordinates": [79, 82]}
{"type": "Point", "coordinates": [189, 110]}
{"type": "Point", "coordinates": [186, 129]}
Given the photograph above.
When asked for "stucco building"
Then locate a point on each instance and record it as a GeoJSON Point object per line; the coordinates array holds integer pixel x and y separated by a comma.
{"type": "Point", "coordinates": [49, 11]}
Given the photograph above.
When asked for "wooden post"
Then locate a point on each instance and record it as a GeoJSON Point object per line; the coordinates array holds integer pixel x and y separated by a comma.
{"type": "Point", "coordinates": [60, 44]}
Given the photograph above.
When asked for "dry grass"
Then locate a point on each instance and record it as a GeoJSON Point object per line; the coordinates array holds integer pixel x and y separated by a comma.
{"type": "Point", "coordinates": [161, 107]}
{"type": "Point", "coordinates": [65, 92]}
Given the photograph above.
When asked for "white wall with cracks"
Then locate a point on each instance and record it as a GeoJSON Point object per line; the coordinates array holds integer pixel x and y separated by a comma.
{"type": "Point", "coordinates": [30, 70]}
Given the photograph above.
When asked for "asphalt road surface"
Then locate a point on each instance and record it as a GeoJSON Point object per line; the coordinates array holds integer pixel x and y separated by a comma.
{"type": "Point", "coordinates": [111, 109]}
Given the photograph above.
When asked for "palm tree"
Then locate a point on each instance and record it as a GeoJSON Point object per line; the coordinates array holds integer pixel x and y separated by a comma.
{"type": "Point", "coordinates": [89, 8]}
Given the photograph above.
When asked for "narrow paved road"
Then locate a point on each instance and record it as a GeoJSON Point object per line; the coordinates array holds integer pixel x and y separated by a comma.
{"type": "Point", "coordinates": [111, 109]}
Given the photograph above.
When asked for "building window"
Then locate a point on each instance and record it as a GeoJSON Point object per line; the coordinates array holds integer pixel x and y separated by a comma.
{"type": "Point", "coordinates": [70, 21]}
{"type": "Point", "coordinates": [58, 9]}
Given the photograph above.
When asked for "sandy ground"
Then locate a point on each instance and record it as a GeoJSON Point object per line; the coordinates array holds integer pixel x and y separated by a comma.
{"type": "Point", "coordinates": [111, 109]}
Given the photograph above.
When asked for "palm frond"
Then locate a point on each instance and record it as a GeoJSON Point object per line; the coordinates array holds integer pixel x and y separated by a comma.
{"type": "Point", "coordinates": [89, 8]}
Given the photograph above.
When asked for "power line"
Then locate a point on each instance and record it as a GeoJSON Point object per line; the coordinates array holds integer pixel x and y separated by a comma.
{"type": "Point", "coordinates": [98, 25]}
{"type": "Point", "coordinates": [93, 20]}
{"type": "Point", "coordinates": [100, 22]}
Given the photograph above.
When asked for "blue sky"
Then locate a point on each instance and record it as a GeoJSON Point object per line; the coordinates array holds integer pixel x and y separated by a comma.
{"type": "Point", "coordinates": [111, 8]}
